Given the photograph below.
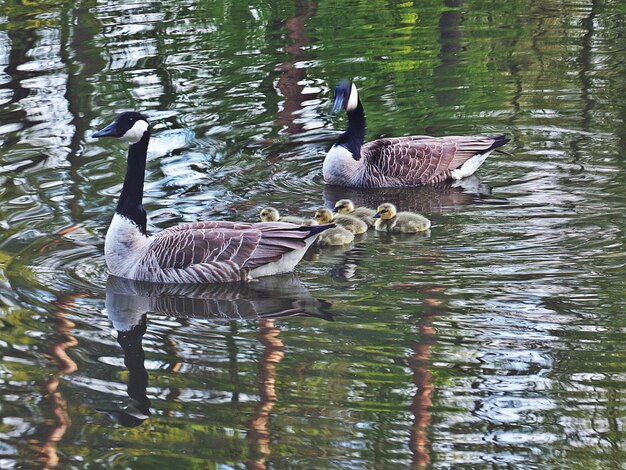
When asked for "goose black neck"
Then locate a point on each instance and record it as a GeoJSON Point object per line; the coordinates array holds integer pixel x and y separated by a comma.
{"type": "Point", "coordinates": [130, 203]}
{"type": "Point", "coordinates": [134, 359]}
{"type": "Point", "coordinates": [354, 137]}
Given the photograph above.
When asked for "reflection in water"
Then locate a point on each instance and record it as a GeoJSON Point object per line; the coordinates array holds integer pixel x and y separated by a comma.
{"type": "Point", "coordinates": [138, 409]}
{"type": "Point", "coordinates": [289, 82]}
{"type": "Point", "coordinates": [439, 198]}
{"type": "Point", "coordinates": [421, 363]}
{"type": "Point", "coordinates": [59, 421]}
{"type": "Point", "coordinates": [273, 296]}
{"type": "Point", "coordinates": [258, 430]}
{"type": "Point", "coordinates": [128, 303]}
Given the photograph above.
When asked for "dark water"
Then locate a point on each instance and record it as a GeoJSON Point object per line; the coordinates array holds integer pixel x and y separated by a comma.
{"type": "Point", "coordinates": [496, 340]}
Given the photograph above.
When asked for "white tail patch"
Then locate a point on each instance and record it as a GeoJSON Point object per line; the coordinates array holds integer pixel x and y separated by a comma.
{"type": "Point", "coordinates": [285, 264]}
{"type": "Point", "coordinates": [470, 166]}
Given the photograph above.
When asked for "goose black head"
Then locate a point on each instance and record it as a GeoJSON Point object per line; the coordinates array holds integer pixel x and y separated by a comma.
{"type": "Point", "coordinates": [346, 96]}
{"type": "Point", "coordinates": [130, 126]}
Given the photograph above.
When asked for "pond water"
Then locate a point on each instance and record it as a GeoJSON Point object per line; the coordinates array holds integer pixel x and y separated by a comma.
{"type": "Point", "coordinates": [495, 340]}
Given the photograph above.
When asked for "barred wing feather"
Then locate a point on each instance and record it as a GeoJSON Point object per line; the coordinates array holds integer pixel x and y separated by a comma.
{"type": "Point", "coordinates": [416, 160]}
{"type": "Point", "coordinates": [218, 251]}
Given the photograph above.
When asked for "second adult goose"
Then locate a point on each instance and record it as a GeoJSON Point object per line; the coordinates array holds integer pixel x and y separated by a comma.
{"type": "Point", "coordinates": [199, 252]}
{"type": "Point", "coordinates": [401, 161]}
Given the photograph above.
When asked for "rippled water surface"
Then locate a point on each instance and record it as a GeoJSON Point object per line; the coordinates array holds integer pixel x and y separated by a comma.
{"type": "Point", "coordinates": [495, 340]}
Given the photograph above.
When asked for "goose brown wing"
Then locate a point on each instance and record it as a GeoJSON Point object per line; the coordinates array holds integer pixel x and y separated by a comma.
{"type": "Point", "coordinates": [220, 250]}
{"type": "Point", "coordinates": [419, 159]}
{"type": "Point", "coordinates": [185, 247]}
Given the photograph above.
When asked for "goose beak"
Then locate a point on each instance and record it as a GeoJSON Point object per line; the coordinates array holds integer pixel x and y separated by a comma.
{"type": "Point", "coordinates": [110, 131]}
{"type": "Point", "coordinates": [376, 216]}
{"type": "Point", "coordinates": [339, 99]}
{"type": "Point", "coordinates": [335, 209]}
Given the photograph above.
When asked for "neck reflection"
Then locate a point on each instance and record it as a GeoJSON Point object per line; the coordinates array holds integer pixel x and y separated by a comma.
{"type": "Point", "coordinates": [128, 304]}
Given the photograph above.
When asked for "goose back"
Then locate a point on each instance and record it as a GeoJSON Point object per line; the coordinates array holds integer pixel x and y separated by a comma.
{"type": "Point", "coordinates": [418, 160]}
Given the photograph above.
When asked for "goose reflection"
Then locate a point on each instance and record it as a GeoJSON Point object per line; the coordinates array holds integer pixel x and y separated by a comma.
{"type": "Point", "coordinates": [439, 198]}
{"type": "Point", "coordinates": [128, 304]}
{"type": "Point", "coordinates": [138, 408]}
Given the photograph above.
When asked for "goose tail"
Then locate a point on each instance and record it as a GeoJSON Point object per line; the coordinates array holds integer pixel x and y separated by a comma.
{"type": "Point", "coordinates": [315, 230]}
{"type": "Point", "coordinates": [469, 167]}
{"type": "Point", "coordinates": [498, 141]}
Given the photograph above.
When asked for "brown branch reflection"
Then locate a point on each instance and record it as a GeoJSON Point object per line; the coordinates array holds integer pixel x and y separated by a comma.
{"type": "Point", "coordinates": [420, 364]}
{"type": "Point", "coordinates": [289, 81]}
{"type": "Point", "coordinates": [45, 447]}
{"type": "Point", "coordinates": [258, 430]}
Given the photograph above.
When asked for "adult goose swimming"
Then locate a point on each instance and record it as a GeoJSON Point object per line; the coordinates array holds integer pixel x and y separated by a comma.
{"type": "Point", "coordinates": [198, 252]}
{"type": "Point", "coordinates": [402, 161]}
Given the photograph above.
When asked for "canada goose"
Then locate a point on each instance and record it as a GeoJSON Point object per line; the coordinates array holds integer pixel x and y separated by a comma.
{"type": "Point", "coordinates": [401, 161]}
{"type": "Point", "coordinates": [346, 207]}
{"type": "Point", "coordinates": [199, 252]}
{"type": "Point", "coordinates": [335, 236]}
{"type": "Point", "coordinates": [271, 214]}
{"type": "Point", "coordinates": [390, 220]}
{"type": "Point", "coordinates": [324, 216]}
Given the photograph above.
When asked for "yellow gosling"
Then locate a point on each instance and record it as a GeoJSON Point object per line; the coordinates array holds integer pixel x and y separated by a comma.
{"type": "Point", "coordinates": [335, 236]}
{"type": "Point", "coordinates": [324, 216]}
{"type": "Point", "coordinates": [346, 207]}
{"type": "Point", "coordinates": [271, 214]}
{"type": "Point", "coordinates": [392, 221]}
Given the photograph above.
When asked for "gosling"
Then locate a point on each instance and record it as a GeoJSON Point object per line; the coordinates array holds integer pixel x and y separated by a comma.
{"type": "Point", "coordinates": [335, 236]}
{"type": "Point", "coordinates": [271, 214]}
{"type": "Point", "coordinates": [346, 207]}
{"type": "Point", "coordinates": [324, 216]}
{"type": "Point", "coordinates": [392, 221]}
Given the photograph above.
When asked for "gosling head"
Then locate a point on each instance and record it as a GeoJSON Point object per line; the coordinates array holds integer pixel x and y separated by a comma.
{"type": "Point", "coordinates": [323, 216]}
{"type": "Point", "coordinates": [129, 126]}
{"type": "Point", "coordinates": [346, 96]}
{"type": "Point", "coordinates": [386, 211]}
{"type": "Point", "coordinates": [344, 206]}
{"type": "Point", "coordinates": [269, 214]}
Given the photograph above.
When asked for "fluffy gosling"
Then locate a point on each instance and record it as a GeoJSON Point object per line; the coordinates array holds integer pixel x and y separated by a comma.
{"type": "Point", "coordinates": [271, 214]}
{"type": "Point", "coordinates": [346, 207]}
{"type": "Point", "coordinates": [335, 236]}
{"type": "Point", "coordinates": [390, 220]}
{"type": "Point", "coordinates": [324, 216]}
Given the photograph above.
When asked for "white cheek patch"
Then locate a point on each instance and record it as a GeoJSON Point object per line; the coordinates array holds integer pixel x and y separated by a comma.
{"type": "Point", "coordinates": [135, 133]}
{"type": "Point", "coordinates": [354, 99]}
